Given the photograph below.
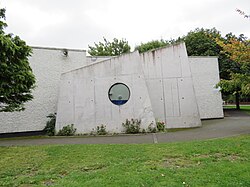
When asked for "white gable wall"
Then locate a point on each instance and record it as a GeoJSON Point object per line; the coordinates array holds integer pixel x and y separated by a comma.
{"type": "Point", "coordinates": [205, 74]}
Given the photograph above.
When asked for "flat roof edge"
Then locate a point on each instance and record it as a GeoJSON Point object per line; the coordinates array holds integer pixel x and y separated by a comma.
{"type": "Point", "coordinates": [202, 56]}
{"type": "Point", "coordinates": [101, 56]}
{"type": "Point", "coordinates": [57, 48]}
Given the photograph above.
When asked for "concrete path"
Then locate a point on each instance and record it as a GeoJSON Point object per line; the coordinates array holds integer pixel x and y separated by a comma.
{"type": "Point", "coordinates": [229, 126]}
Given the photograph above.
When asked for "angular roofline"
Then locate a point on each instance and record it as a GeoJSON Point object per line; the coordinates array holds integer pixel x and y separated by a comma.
{"type": "Point", "coordinates": [113, 57]}
{"type": "Point", "coordinates": [100, 56]}
{"type": "Point", "coordinates": [159, 48]}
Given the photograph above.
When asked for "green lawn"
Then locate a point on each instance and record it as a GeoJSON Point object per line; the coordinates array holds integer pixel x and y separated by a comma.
{"type": "Point", "coordinates": [245, 108]}
{"type": "Point", "coordinates": [220, 162]}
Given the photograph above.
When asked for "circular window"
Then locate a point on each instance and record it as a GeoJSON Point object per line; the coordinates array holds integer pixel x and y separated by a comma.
{"type": "Point", "coordinates": [119, 94]}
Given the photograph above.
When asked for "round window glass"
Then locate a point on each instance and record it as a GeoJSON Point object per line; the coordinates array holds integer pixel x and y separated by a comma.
{"type": "Point", "coordinates": [119, 94]}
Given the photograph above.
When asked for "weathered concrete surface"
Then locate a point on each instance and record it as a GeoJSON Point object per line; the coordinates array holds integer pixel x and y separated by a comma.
{"type": "Point", "coordinates": [205, 74]}
{"type": "Point", "coordinates": [229, 126]}
{"type": "Point", "coordinates": [170, 85]}
{"type": "Point", "coordinates": [161, 77]}
{"type": "Point", "coordinates": [84, 102]}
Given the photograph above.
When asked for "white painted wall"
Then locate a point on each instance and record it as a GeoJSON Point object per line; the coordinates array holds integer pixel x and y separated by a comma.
{"type": "Point", "coordinates": [170, 85]}
{"type": "Point", "coordinates": [47, 65]}
{"type": "Point", "coordinates": [205, 74]}
{"type": "Point", "coordinates": [84, 102]}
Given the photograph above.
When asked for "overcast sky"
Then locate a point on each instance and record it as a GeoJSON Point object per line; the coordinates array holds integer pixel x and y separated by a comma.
{"type": "Point", "coordinates": [79, 23]}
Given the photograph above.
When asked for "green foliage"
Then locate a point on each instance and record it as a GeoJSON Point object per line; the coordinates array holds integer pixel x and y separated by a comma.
{"type": "Point", "coordinates": [218, 162]}
{"type": "Point", "coordinates": [2, 23]}
{"type": "Point", "coordinates": [227, 65]}
{"type": "Point", "coordinates": [132, 126]}
{"type": "Point", "coordinates": [107, 48]}
{"type": "Point", "coordinates": [151, 45]}
{"type": "Point", "coordinates": [16, 77]}
{"type": "Point", "coordinates": [160, 126]}
{"type": "Point", "coordinates": [238, 83]}
{"type": "Point", "coordinates": [68, 130]}
{"type": "Point", "coordinates": [237, 49]}
{"type": "Point", "coordinates": [201, 42]}
{"type": "Point", "coordinates": [101, 130]}
{"type": "Point", "coordinates": [152, 128]}
{"type": "Point", "coordinates": [50, 125]}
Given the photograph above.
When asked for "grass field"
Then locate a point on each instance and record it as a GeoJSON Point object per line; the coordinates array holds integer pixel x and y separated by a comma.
{"type": "Point", "coordinates": [245, 108]}
{"type": "Point", "coordinates": [221, 162]}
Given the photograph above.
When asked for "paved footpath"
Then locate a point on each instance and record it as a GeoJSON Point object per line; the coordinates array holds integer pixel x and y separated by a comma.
{"type": "Point", "coordinates": [229, 126]}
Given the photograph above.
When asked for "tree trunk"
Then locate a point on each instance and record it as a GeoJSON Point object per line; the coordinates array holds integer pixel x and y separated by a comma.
{"type": "Point", "coordinates": [237, 100]}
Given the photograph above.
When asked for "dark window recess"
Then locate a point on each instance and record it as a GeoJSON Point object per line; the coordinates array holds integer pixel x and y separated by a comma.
{"type": "Point", "coordinates": [119, 93]}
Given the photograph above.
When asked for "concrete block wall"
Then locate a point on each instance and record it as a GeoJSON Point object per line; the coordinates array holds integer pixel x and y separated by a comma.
{"type": "Point", "coordinates": [171, 90]}
{"type": "Point", "coordinates": [84, 101]}
{"type": "Point", "coordinates": [205, 73]}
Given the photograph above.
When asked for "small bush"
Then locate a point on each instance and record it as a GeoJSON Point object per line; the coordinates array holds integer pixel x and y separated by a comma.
{"type": "Point", "coordinates": [101, 130]}
{"type": "Point", "coordinates": [152, 129]}
{"type": "Point", "coordinates": [50, 125]}
{"type": "Point", "coordinates": [68, 130]}
{"type": "Point", "coordinates": [132, 126]}
{"type": "Point", "coordinates": [160, 126]}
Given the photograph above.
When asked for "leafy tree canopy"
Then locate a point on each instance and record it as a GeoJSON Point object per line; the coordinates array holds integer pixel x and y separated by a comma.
{"type": "Point", "coordinates": [16, 77]}
{"type": "Point", "coordinates": [154, 44]}
{"type": "Point", "coordinates": [201, 42]}
{"type": "Point", "coordinates": [238, 50]}
{"type": "Point", "coordinates": [107, 48]}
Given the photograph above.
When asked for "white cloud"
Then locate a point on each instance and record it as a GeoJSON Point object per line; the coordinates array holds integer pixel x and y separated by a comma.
{"type": "Point", "coordinates": [75, 24]}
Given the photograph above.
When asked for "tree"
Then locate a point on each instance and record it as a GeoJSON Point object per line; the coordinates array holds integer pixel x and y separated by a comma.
{"type": "Point", "coordinates": [107, 48]}
{"type": "Point", "coordinates": [201, 42]}
{"type": "Point", "coordinates": [154, 44]}
{"type": "Point", "coordinates": [238, 50]}
{"type": "Point", "coordinates": [16, 77]}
